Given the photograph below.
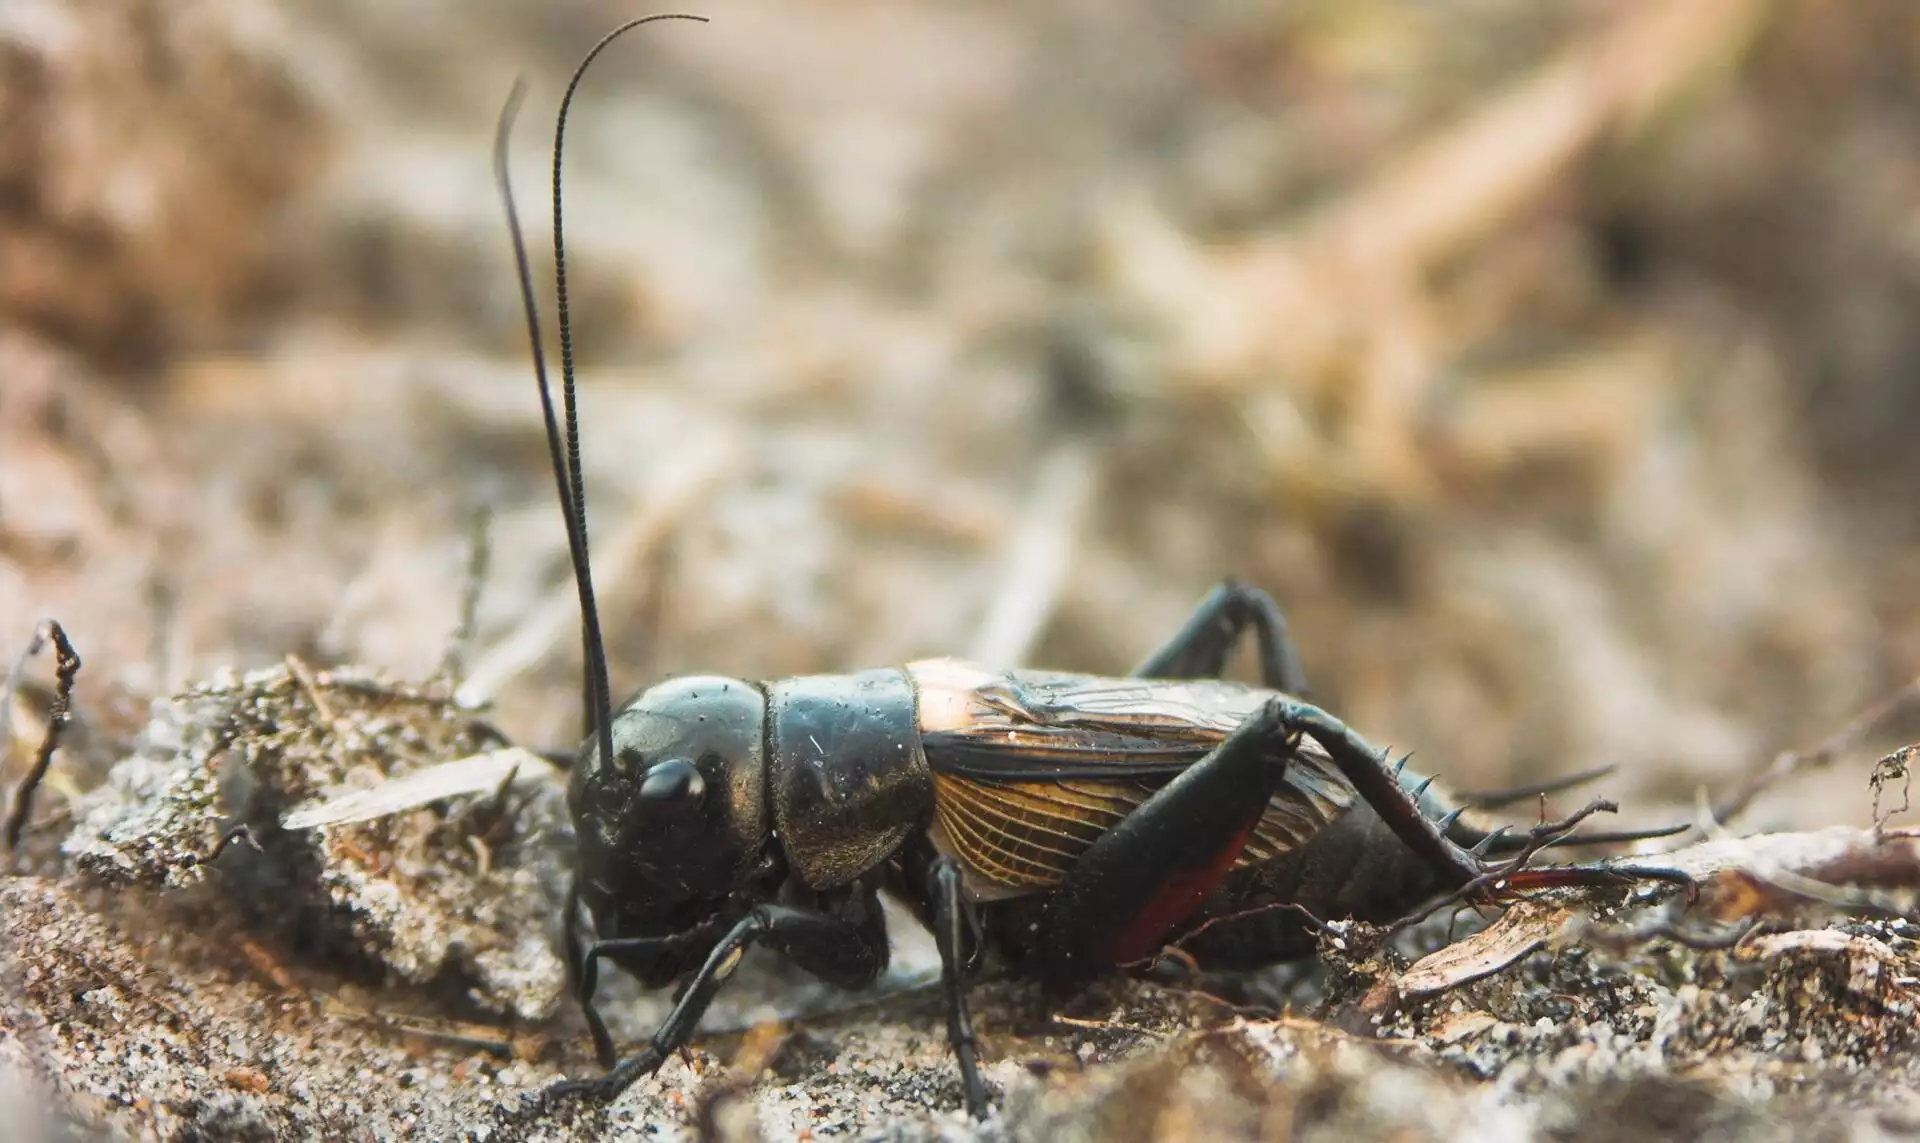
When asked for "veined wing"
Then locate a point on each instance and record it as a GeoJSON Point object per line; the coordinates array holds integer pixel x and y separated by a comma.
{"type": "Point", "coordinates": [1022, 837]}
{"type": "Point", "coordinates": [1031, 768]}
{"type": "Point", "coordinates": [1038, 725]}
{"type": "Point", "coordinates": [1013, 838]}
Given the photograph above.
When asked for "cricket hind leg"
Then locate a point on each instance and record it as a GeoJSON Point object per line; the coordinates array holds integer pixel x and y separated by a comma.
{"type": "Point", "coordinates": [1368, 771]}
{"type": "Point", "coordinates": [1497, 842]}
{"type": "Point", "coordinates": [1200, 649]}
{"type": "Point", "coordinates": [1353, 868]}
{"type": "Point", "coordinates": [1147, 875]}
{"type": "Point", "coordinates": [1152, 873]}
{"type": "Point", "coordinates": [1472, 836]}
{"type": "Point", "coordinates": [1357, 868]}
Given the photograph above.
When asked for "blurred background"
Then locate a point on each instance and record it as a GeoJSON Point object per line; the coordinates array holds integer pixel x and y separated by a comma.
{"type": "Point", "coordinates": [1553, 365]}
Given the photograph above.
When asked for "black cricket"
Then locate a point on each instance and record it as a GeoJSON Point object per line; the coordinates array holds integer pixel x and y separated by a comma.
{"type": "Point", "coordinates": [1063, 825]}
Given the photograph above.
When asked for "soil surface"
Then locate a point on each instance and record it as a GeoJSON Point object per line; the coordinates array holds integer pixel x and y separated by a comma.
{"type": "Point", "coordinates": [1551, 365]}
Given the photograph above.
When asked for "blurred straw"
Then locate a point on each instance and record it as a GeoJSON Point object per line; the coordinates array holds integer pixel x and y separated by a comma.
{"type": "Point", "coordinates": [1033, 566]}
{"type": "Point", "coordinates": [1290, 303]}
{"type": "Point", "coordinates": [694, 471]}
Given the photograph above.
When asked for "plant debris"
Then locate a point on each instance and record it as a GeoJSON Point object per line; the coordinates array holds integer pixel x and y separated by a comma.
{"type": "Point", "coordinates": [67, 667]}
{"type": "Point", "coordinates": [450, 890]}
{"type": "Point", "coordinates": [1551, 364]}
{"type": "Point", "coordinates": [388, 947]}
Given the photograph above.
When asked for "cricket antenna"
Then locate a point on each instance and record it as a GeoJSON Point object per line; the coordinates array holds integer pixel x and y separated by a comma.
{"type": "Point", "coordinates": [596, 699]}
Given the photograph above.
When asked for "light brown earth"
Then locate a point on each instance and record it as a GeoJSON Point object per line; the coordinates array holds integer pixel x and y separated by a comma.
{"type": "Point", "coordinates": [1551, 364]}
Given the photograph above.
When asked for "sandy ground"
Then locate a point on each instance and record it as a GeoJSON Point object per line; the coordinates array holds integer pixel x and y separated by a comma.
{"type": "Point", "coordinates": [1550, 365]}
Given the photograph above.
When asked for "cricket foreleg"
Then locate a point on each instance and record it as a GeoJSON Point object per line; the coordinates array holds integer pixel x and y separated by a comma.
{"type": "Point", "coordinates": [829, 947]}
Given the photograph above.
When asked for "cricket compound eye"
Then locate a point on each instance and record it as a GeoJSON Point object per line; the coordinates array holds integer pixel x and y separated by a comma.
{"type": "Point", "coordinates": [682, 812]}
{"type": "Point", "coordinates": [672, 780]}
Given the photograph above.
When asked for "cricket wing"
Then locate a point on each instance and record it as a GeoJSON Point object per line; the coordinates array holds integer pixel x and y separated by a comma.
{"type": "Point", "coordinates": [1031, 725]}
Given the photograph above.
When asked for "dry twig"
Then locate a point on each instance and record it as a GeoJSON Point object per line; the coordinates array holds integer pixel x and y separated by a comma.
{"type": "Point", "coordinates": [1885, 771]}
{"type": "Point", "coordinates": [479, 560]}
{"type": "Point", "coordinates": [1821, 753]}
{"type": "Point", "coordinates": [1433, 201]}
{"type": "Point", "coordinates": [549, 621]}
{"type": "Point", "coordinates": [66, 666]}
{"type": "Point", "coordinates": [1034, 565]}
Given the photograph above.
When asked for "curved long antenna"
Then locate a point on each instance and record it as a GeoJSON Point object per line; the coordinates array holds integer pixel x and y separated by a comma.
{"type": "Point", "coordinates": [596, 697]}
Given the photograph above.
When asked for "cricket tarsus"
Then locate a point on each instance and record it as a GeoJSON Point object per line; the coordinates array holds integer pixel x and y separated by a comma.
{"type": "Point", "coordinates": [1495, 799]}
{"type": "Point", "coordinates": [1513, 875]}
{"type": "Point", "coordinates": [66, 666]}
{"type": "Point", "coordinates": [240, 833]}
{"type": "Point", "coordinates": [1501, 846]}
